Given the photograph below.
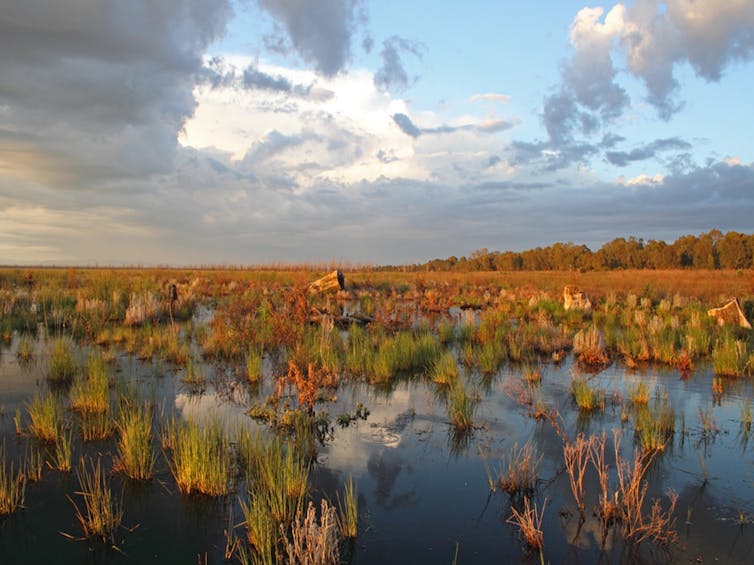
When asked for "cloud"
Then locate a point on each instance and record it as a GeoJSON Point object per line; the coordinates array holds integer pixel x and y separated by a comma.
{"type": "Point", "coordinates": [98, 93]}
{"type": "Point", "coordinates": [392, 74]}
{"type": "Point", "coordinates": [320, 32]}
{"type": "Point", "coordinates": [622, 158]}
{"type": "Point", "coordinates": [408, 127]}
{"type": "Point", "coordinates": [490, 97]}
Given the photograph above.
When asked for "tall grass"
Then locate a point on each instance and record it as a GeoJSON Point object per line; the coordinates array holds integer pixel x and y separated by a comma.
{"type": "Point", "coordinates": [135, 454]}
{"type": "Point", "coordinates": [655, 424]}
{"type": "Point", "coordinates": [90, 392]}
{"type": "Point", "coordinates": [461, 406]}
{"type": "Point", "coordinates": [201, 459]}
{"type": "Point", "coordinates": [520, 469]}
{"type": "Point", "coordinates": [254, 365]}
{"type": "Point", "coordinates": [444, 369]}
{"type": "Point", "coordinates": [529, 523]}
{"type": "Point", "coordinates": [12, 486]}
{"type": "Point", "coordinates": [312, 541]}
{"type": "Point", "coordinates": [61, 366]}
{"type": "Point", "coordinates": [25, 351]}
{"type": "Point", "coordinates": [44, 413]}
{"type": "Point", "coordinates": [730, 357]}
{"type": "Point", "coordinates": [63, 454]}
{"type": "Point", "coordinates": [102, 512]}
{"type": "Point", "coordinates": [348, 510]}
{"type": "Point", "coordinates": [585, 396]}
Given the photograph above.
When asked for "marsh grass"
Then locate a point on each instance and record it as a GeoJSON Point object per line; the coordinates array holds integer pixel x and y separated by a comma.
{"type": "Point", "coordinates": [313, 541]}
{"type": "Point", "coordinates": [194, 378]}
{"type": "Point", "coordinates": [444, 369]}
{"type": "Point", "coordinates": [90, 393]}
{"type": "Point", "coordinates": [96, 426]}
{"type": "Point", "coordinates": [61, 365]}
{"type": "Point", "coordinates": [586, 397]}
{"type": "Point", "coordinates": [638, 393]}
{"type": "Point", "coordinates": [102, 512]}
{"type": "Point", "coordinates": [462, 405]}
{"type": "Point", "coordinates": [44, 413]}
{"type": "Point", "coordinates": [576, 455]}
{"type": "Point", "coordinates": [25, 350]}
{"type": "Point", "coordinates": [262, 531]}
{"type": "Point", "coordinates": [135, 454]}
{"type": "Point", "coordinates": [254, 365]}
{"type": "Point", "coordinates": [12, 486]}
{"type": "Point", "coordinates": [348, 510]}
{"type": "Point", "coordinates": [655, 424]}
{"type": "Point", "coordinates": [201, 459]}
{"type": "Point", "coordinates": [33, 464]}
{"type": "Point", "coordinates": [529, 523]}
{"type": "Point", "coordinates": [520, 469]}
{"type": "Point", "coordinates": [62, 456]}
{"type": "Point", "coordinates": [730, 356]}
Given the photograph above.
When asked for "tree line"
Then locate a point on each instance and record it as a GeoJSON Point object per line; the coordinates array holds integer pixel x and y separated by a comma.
{"type": "Point", "coordinates": [712, 250]}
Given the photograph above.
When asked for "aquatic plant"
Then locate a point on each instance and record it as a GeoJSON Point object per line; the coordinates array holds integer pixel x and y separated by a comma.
{"type": "Point", "coordinates": [312, 541]}
{"type": "Point", "coordinates": [201, 459]}
{"type": "Point", "coordinates": [348, 510]}
{"type": "Point", "coordinates": [135, 454]}
{"type": "Point", "coordinates": [589, 347]}
{"type": "Point", "coordinates": [90, 392]}
{"type": "Point", "coordinates": [585, 396]}
{"type": "Point", "coordinates": [655, 425]}
{"type": "Point", "coordinates": [461, 406]}
{"type": "Point", "coordinates": [529, 523]}
{"type": "Point", "coordinates": [63, 453]}
{"type": "Point", "coordinates": [520, 469]}
{"type": "Point", "coordinates": [102, 512]}
{"type": "Point", "coordinates": [96, 426]}
{"type": "Point", "coordinates": [12, 486]}
{"type": "Point", "coordinates": [444, 369]}
{"type": "Point", "coordinates": [25, 351]}
{"type": "Point", "coordinates": [638, 393]}
{"type": "Point", "coordinates": [254, 365]}
{"type": "Point", "coordinates": [44, 413]}
{"type": "Point", "coordinates": [194, 378]}
{"type": "Point", "coordinates": [61, 366]}
{"type": "Point", "coordinates": [576, 455]}
{"type": "Point", "coordinates": [730, 356]}
{"type": "Point", "coordinates": [33, 464]}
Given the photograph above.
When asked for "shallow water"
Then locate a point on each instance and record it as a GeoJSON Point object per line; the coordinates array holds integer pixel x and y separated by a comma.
{"type": "Point", "coordinates": [423, 491]}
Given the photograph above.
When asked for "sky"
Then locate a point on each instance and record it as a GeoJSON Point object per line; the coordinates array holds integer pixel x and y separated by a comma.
{"type": "Point", "coordinates": [233, 132]}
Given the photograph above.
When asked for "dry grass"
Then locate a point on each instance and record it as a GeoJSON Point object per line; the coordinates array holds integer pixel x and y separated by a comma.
{"type": "Point", "coordinates": [312, 541]}
{"type": "Point", "coordinates": [529, 523]}
{"type": "Point", "coordinates": [577, 456]}
{"type": "Point", "coordinates": [520, 469]}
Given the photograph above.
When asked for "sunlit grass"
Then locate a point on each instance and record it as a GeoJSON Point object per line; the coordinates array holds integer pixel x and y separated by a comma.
{"type": "Point", "coordinates": [61, 366]}
{"type": "Point", "coordinates": [135, 454]}
{"type": "Point", "coordinates": [44, 413]}
{"type": "Point", "coordinates": [102, 511]}
{"type": "Point", "coordinates": [12, 486]}
{"type": "Point", "coordinates": [201, 459]}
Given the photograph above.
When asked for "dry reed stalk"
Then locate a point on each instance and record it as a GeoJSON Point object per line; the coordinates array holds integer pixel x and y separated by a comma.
{"type": "Point", "coordinates": [314, 542]}
{"type": "Point", "coordinates": [529, 523]}
{"type": "Point", "coordinates": [576, 456]}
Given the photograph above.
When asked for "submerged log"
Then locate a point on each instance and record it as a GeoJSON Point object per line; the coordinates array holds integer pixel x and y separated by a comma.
{"type": "Point", "coordinates": [331, 281]}
{"type": "Point", "coordinates": [731, 313]}
{"type": "Point", "coordinates": [575, 299]}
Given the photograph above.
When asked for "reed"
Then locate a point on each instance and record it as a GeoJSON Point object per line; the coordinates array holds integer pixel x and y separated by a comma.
{"type": "Point", "coordinates": [96, 426]}
{"type": "Point", "coordinates": [201, 459]}
{"type": "Point", "coordinates": [254, 365]}
{"type": "Point", "coordinates": [586, 397]}
{"type": "Point", "coordinates": [312, 541]}
{"type": "Point", "coordinates": [135, 455]}
{"type": "Point", "coordinates": [462, 405]}
{"type": "Point", "coordinates": [577, 456]}
{"type": "Point", "coordinates": [25, 350]}
{"type": "Point", "coordinates": [520, 469]}
{"type": "Point", "coordinates": [102, 512]}
{"type": "Point", "coordinates": [348, 510]}
{"type": "Point", "coordinates": [61, 366]}
{"type": "Point", "coordinates": [729, 357]}
{"type": "Point", "coordinates": [589, 347]}
{"type": "Point", "coordinates": [262, 531]}
{"type": "Point", "coordinates": [90, 393]}
{"type": "Point", "coordinates": [444, 369]}
{"type": "Point", "coordinates": [44, 413]}
{"type": "Point", "coordinates": [194, 378]}
{"type": "Point", "coordinates": [446, 331]}
{"type": "Point", "coordinates": [638, 393]}
{"type": "Point", "coordinates": [529, 523]}
{"type": "Point", "coordinates": [12, 486]}
{"type": "Point", "coordinates": [655, 425]}
{"type": "Point", "coordinates": [33, 465]}
{"type": "Point", "coordinates": [63, 453]}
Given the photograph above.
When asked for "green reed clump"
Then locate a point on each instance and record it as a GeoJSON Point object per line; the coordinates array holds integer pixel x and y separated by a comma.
{"type": "Point", "coordinates": [348, 510]}
{"type": "Point", "coordinates": [638, 393]}
{"type": "Point", "coordinates": [489, 357]}
{"type": "Point", "coordinates": [102, 512]}
{"type": "Point", "coordinates": [278, 473]}
{"type": "Point", "coordinates": [461, 406]}
{"type": "Point", "coordinates": [730, 356]}
{"type": "Point", "coordinates": [194, 378]}
{"type": "Point", "coordinates": [586, 397]}
{"type": "Point", "coordinates": [444, 369]}
{"type": "Point", "coordinates": [90, 393]}
{"type": "Point", "coordinates": [44, 413]}
{"type": "Point", "coordinates": [262, 532]}
{"type": "Point", "coordinates": [96, 426]}
{"type": "Point", "coordinates": [201, 459]}
{"type": "Point", "coordinates": [25, 351]}
{"type": "Point", "coordinates": [61, 366]}
{"type": "Point", "coordinates": [63, 453]}
{"type": "Point", "coordinates": [403, 352]}
{"type": "Point", "coordinates": [12, 486]}
{"type": "Point", "coordinates": [446, 331]}
{"type": "Point", "coordinates": [254, 365]}
{"type": "Point", "coordinates": [520, 469]}
{"type": "Point", "coordinates": [135, 454]}
{"type": "Point", "coordinates": [33, 464]}
{"type": "Point", "coordinates": [655, 424]}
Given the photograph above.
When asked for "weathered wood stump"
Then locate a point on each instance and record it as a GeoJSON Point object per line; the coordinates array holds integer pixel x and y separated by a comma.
{"type": "Point", "coordinates": [331, 281]}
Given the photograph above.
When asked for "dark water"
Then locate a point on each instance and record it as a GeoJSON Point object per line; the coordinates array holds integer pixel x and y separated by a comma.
{"type": "Point", "coordinates": [423, 491]}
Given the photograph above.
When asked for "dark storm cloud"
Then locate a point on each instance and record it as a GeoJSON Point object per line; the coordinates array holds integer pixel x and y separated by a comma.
{"type": "Point", "coordinates": [104, 87]}
{"type": "Point", "coordinates": [623, 158]}
{"type": "Point", "coordinates": [392, 74]}
{"type": "Point", "coordinates": [320, 32]}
